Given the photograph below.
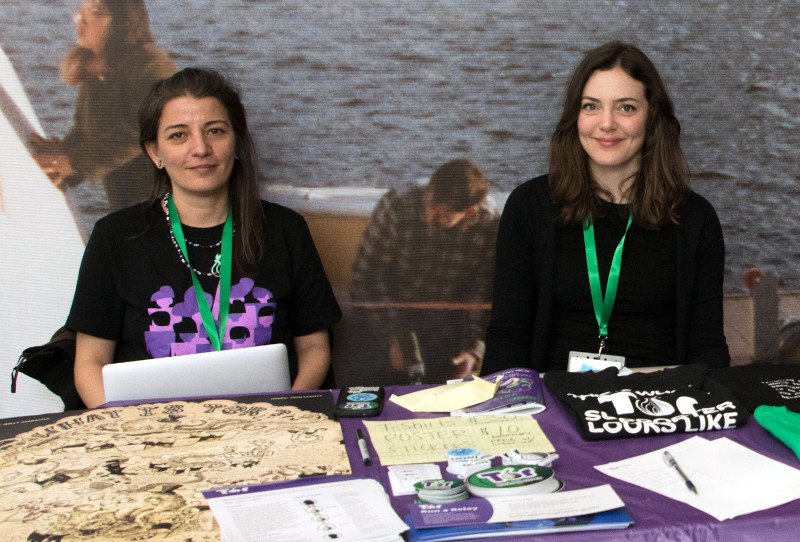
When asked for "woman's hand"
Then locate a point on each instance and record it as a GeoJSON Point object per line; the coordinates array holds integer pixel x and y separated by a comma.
{"type": "Point", "coordinates": [56, 167]}
{"type": "Point", "coordinates": [467, 364]}
{"type": "Point", "coordinates": [81, 64]}
{"type": "Point", "coordinates": [51, 157]}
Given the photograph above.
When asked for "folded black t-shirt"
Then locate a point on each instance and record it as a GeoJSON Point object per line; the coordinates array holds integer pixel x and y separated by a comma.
{"type": "Point", "coordinates": [679, 400]}
{"type": "Point", "coordinates": [762, 384]}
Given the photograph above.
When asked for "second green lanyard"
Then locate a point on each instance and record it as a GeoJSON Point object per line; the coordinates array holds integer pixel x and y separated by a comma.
{"type": "Point", "coordinates": [603, 304]}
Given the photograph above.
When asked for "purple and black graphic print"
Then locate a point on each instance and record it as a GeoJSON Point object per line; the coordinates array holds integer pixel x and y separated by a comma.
{"type": "Point", "coordinates": [176, 327]}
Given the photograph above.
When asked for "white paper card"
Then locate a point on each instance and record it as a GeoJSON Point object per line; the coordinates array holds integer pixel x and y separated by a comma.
{"type": "Point", "coordinates": [577, 502]}
{"type": "Point", "coordinates": [403, 477]}
{"type": "Point", "coordinates": [586, 361]}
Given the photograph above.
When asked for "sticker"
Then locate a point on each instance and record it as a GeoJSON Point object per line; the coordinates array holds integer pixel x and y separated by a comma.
{"type": "Point", "coordinates": [510, 476]}
{"type": "Point", "coordinates": [513, 480]}
{"type": "Point", "coordinates": [362, 397]}
{"type": "Point", "coordinates": [460, 453]}
{"type": "Point", "coordinates": [358, 405]}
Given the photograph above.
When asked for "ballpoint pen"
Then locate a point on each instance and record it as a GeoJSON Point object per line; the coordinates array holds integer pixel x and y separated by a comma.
{"type": "Point", "coordinates": [362, 446]}
{"type": "Point", "coordinates": [670, 461]}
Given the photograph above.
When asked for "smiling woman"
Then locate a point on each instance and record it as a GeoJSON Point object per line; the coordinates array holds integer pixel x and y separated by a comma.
{"type": "Point", "coordinates": [196, 147]}
{"type": "Point", "coordinates": [564, 288]}
{"type": "Point", "coordinates": [611, 128]}
{"type": "Point", "coordinates": [205, 264]}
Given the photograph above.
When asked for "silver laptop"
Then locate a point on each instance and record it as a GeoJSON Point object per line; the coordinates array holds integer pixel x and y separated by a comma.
{"type": "Point", "coordinates": [250, 370]}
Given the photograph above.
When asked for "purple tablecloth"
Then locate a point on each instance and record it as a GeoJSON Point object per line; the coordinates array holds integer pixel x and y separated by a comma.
{"type": "Point", "coordinates": [655, 517]}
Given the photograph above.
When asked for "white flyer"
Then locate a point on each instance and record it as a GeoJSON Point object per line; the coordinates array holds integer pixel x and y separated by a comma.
{"type": "Point", "coordinates": [356, 509]}
{"type": "Point", "coordinates": [730, 479]}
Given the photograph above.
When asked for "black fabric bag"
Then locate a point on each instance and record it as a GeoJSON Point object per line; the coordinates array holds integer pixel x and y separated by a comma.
{"type": "Point", "coordinates": [52, 365]}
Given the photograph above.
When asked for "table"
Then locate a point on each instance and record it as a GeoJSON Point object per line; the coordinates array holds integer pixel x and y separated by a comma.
{"type": "Point", "coordinates": [655, 517]}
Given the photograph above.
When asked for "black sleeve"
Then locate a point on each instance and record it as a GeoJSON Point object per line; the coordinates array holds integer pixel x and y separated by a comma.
{"type": "Point", "coordinates": [706, 336]}
{"type": "Point", "coordinates": [97, 307]}
{"type": "Point", "coordinates": [508, 337]}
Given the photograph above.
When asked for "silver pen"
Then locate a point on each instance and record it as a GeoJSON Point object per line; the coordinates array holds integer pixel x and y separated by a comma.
{"type": "Point", "coordinates": [670, 461]}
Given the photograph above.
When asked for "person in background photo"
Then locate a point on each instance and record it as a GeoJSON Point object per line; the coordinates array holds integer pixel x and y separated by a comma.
{"type": "Point", "coordinates": [616, 166]}
{"type": "Point", "coordinates": [205, 264]}
{"type": "Point", "coordinates": [113, 65]}
{"type": "Point", "coordinates": [422, 277]}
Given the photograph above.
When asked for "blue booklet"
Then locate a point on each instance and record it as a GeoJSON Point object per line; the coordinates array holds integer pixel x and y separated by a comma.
{"type": "Point", "coordinates": [520, 392]}
{"type": "Point", "coordinates": [611, 519]}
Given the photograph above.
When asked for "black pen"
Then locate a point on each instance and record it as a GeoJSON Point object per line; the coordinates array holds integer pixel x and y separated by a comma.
{"type": "Point", "coordinates": [362, 446]}
{"type": "Point", "coordinates": [670, 461]}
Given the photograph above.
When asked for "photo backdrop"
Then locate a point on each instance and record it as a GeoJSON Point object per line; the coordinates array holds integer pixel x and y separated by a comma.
{"type": "Point", "coordinates": [348, 99]}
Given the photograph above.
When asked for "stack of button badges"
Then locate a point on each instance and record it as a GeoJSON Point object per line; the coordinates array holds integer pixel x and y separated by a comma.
{"type": "Point", "coordinates": [441, 490]}
{"type": "Point", "coordinates": [513, 480]}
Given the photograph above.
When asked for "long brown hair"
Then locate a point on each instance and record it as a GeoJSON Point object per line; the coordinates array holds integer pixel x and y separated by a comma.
{"type": "Point", "coordinates": [663, 177]}
{"type": "Point", "coordinates": [129, 31]}
{"type": "Point", "coordinates": [129, 39]}
{"type": "Point", "coordinates": [243, 183]}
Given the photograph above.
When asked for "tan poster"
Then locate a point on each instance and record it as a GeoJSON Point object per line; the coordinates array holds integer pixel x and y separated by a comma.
{"type": "Point", "coordinates": [137, 472]}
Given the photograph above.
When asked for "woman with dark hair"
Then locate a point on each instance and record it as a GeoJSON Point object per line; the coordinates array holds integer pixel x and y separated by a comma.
{"type": "Point", "coordinates": [113, 65]}
{"type": "Point", "coordinates": [564, 286]}
{"type": "Point", "coordinates": [204, 264]}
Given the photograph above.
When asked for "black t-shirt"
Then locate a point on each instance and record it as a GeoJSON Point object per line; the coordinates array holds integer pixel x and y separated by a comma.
{"type": "Point", "coordinates": [759, 384]}
{"type": "Point", "coordinates": [134, 289]}
{"type": "Point", "coordinates": [678, 400]}
{"type": "Point", "coordinates": [642, 323]}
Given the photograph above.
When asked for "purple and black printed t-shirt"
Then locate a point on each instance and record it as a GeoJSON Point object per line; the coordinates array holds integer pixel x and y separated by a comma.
{"type": "Point", "coordinates": [133, 288]}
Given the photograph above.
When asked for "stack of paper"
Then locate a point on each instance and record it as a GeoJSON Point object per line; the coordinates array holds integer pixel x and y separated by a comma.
{"type": "Point", "coordinates": [731, 479]}
{"type": "Point", "coordinates": [601, 521]}
{"type": "Point", "coordinates": [448, 397]}
{"type": "Point", "coordinates": [516, 515]}
{"type": "Point", "coordinates": [519, 393]}
{"type": "Point", "coordinates": [355, 509]}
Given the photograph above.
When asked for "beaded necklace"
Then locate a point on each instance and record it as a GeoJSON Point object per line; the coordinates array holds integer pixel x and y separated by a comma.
{"type": "Point", "coordinates": [215, 267]}
{"type": "Point", "coordinates": [215, 331]}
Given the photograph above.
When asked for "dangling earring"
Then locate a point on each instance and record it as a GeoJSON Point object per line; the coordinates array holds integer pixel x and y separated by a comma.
{"type": "Point", "coordinates": [235, 156]}
{"type": "Point", "coordinates": [159, 164]}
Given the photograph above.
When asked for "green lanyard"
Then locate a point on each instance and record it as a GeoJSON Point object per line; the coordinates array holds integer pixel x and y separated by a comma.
{"type": "Point", "coordinates": [603, 305]}
{"type": "Point", "coordinates": [214, 335]}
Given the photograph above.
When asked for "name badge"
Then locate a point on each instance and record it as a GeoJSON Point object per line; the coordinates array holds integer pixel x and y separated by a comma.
{"type": "Point", "coordinates": [591, 361]}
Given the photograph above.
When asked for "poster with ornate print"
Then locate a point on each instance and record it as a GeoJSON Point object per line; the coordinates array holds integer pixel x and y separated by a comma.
{"type": "Point", "coordinates": [137, 472]}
